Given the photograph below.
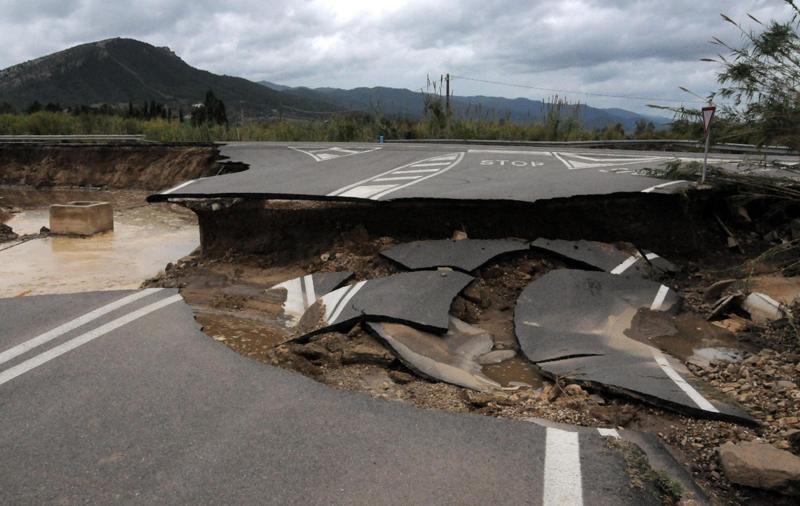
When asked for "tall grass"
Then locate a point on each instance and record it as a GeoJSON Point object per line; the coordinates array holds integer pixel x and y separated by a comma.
{"type": "Point", "coordinates": [342, 128]}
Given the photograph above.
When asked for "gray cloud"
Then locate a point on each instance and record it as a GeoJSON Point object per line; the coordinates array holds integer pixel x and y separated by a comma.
{"type": "Point", "coordinates": [621, 47]}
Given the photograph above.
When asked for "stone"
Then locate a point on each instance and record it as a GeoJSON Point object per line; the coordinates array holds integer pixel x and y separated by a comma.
{"type": "Point", "coordinates": [761, 465]}
{"type": "Point", "coordinates": [311, 351]}
{"type": "Point", "coordinates": [401, 377]}
{"type": "Point", "coordinates": [459, 235]}
{"type": "Point", "coordinates": [574, 390]}
{"type": "Point", "coordinates": [81, 218]}
{"type": "Point", "coordinates": [367, 351]}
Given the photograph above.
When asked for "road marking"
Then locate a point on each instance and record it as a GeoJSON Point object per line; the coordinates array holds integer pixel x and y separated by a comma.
{"type": "Point", "coordinates": [311, 295]}
{"type": "Point", "coordinates": [562, 469]}
{"type": "Point", "coordinates": [363, 188]}
{"type": "Point", "coordinates": [57, 351]}
{"type": "Point", "coordinates": [366, 192]}
{"type": "Point", "coordinates": [663, 290]}
{"type": "Point", "coordinates": [595, 163]}
{"type": "Point", "coordinates": [431, 164]}
{"type": "Point", "coordinates": [336, 301]}
{"type": "Point", "coordinates": [73, 324]}
{"type": "Point", "coordinates": [693, 394]}
{"type": "Point", "coordinates": [510, 152]}
{"type": "Point", "coordinates": [651, 256]}
{"type": "Point", "coordinates": [417, 171]}
{"type": "Point", "coordinates": [659, 186]}
{"type": "Point", "coordinates": [320, 155]}
{"type": "Point", "coordinates": [626, 264]}
{"type": "Point", "coordinates": [401, 178]}
{"type": "Point", "coordinates": [608, 432]}
{"type": "Point", "coordinates": [182, 185]}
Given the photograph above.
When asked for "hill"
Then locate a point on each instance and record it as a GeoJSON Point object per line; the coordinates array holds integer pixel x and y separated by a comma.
{"type": "Point", "coordinates": [116, 71]}
{"type": "Point", "coordinates": [407, 103]}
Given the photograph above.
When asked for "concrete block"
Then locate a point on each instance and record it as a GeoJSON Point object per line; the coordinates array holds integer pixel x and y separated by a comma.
{"type": "Point", "coordinates": [81, 218]}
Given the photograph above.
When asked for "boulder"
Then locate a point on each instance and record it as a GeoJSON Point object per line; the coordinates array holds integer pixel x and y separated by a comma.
{"type": "Point", "coordinates": [761, 465]}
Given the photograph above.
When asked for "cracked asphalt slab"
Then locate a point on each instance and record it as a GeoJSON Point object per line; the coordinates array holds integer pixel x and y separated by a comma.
{"type": "Point", "coordinates": [581, 325]}
{"type": "Point", "coordinates": [419, 171]}
{"type": "Point", "coordinates": [147, 409]}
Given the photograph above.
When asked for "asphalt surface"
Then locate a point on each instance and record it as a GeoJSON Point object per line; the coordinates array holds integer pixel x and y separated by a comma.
{"type": "Point", "coordinates": [133, 404]}
{"type": "Point", "coordinates": [423, 171]}
{"type": "Point", "coordinates": [585, 326]}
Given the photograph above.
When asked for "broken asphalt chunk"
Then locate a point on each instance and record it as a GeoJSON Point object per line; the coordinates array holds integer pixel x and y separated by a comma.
{"type": "Point", "coordinates": [466, 255]}
{"type": "Point", "coordinates": [420, 299]}
{"type": "Point", "coordinates": [452, 358]}
{"type": "Point", "coordinates": [301, 293]}
{"type": "Point", "coordinates": [607, 257]}
{"type": "Point", "coordinates": [576, 325]}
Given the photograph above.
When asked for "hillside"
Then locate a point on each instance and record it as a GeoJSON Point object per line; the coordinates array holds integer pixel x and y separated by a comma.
{"type": "Point", "coordinates": [116, 71]}
{"type": "Point", "coordinates": [407, 103]}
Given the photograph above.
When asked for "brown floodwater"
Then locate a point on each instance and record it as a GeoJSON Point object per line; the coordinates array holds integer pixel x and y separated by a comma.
{"type": "Point", "coordinates": [516, 371]}
{"type": "Point", "coordinates": [144, 240]}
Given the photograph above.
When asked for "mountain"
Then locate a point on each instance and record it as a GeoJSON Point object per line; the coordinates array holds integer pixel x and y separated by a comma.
{"type": "Point", "coordinates": [116, 71]}
{"type": "Point", "coordinates": [406, 103]}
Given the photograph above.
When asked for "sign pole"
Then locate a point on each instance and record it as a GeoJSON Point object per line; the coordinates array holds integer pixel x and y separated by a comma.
{"type": "Point", "coordinates": [705, 156]}
{"type": "Point", "coordinates": [708, 115]}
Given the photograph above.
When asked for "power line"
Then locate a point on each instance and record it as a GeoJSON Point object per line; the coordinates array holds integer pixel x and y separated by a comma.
{"type": "Point", "coordinates": [573, 92]}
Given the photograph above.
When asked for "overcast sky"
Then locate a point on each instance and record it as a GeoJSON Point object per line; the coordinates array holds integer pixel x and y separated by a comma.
{"type": "Point", "coordinates": [619, 47]}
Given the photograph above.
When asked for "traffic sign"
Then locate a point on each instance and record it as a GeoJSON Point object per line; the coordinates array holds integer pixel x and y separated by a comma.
{"type": "Point", "coordinates": [708, 115]}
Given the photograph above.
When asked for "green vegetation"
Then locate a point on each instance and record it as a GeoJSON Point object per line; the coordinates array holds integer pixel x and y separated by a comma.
{"type": "Point", "coordinates": [759, 87]}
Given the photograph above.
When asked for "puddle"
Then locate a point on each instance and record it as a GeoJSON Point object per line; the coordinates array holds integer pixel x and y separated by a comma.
{"type": "Point", "coordinates": [143, 241]}
{"type": "Point", "coordinates": [513, 372]}
{"type": "Point", "coordinates": [686, 337]}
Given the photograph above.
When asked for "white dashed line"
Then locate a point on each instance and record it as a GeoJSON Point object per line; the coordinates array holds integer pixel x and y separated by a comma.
{"type": "Point", "coordinates": [311, 295]}
{"type": "Point", "coordinates": [74, 324]}
{"type": "Point", "coordinates": [400, 178]}
{"type": "Point", "coordinates": [57, 351]}
{"type": "Point", "coordinates": [658, 301]}
{"type": "Point", "coordinates": [693, 394]}
{"type": "Point", "coordinates": [562, 469]}
{"type": "Point", "coordinates": [624, 266]}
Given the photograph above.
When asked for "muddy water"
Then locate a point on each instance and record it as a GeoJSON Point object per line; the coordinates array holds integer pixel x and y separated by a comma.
{"type": "Point", "coordinates": [516, 371]}
{"type": "Point", "coordinates": [143, 241]}
{"type": "Point", "coordinates": [686, 337]}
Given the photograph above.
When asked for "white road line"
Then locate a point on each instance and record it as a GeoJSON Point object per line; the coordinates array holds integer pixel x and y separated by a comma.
{"type": "Point", "coordinates": [510, 152]}
{"type": "Point", "coordinates": [73, 324]}
{"type": "Point", "coordinates": [430, 164]}
{"type": "Point", "coordinates": [452, 164]}
{"type": "Point", "coordinates": [608, 432]}
{"type": "Point", "coordinates": [651, 256]}
{"type": "Point", "coordinates": [333, 311]}
{"type": "Point", "coordinates": [663, 290]}
{"type": "Point", "coordinates": [57, 351]}
{"type": "Point", "coordinates": [367, 191]}
{"type": "Point", "coordinates": [562, 469]}
{"type": "Point", "coordinates": [568, 165]}
{"type": "Point", "coordinates": [311, 295]}
{"type": "Point", "coordinates": [400, 178]}
{"type": "Point", "coordinates": [363, 189]}
{"type": "Point", "coordinates": [656, 187]}
{"type": "Point", "coordinates": [182, 185]}
{"type": "Point", "coordinates": [693, 394]}
{"type": "Point", "coordinates": [417, 171]}
{"type": "Point", "coordinates": [626, 264]}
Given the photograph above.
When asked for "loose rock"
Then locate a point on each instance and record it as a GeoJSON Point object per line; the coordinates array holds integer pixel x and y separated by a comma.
{"type": "Point", "coordinates": [761, 465]}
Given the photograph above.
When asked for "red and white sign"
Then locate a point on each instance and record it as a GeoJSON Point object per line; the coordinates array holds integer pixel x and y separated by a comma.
{"type": "Point", "coordinates": [708, 115]}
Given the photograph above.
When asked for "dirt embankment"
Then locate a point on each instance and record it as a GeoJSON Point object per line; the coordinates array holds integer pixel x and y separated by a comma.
{"type": "Point", "coordinates": [148, 167]}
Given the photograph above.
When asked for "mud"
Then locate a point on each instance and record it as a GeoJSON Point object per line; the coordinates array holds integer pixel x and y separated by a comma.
{"type": "Point", "coordinates": [145, 166]}
{"type": "Point", "coordinates": [145, 238]}
{"type": "Point", "coordinates": [292, 230]}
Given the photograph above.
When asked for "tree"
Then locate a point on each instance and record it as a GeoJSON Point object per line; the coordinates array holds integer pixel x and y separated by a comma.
{"type": "Point", "coordinates": [212, 110]}
{"type": "Point", "coordinates": [762, 78]}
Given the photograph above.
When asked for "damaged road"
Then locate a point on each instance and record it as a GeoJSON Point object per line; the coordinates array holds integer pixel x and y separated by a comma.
{"type": "Point", "coordinates": [249, 421]}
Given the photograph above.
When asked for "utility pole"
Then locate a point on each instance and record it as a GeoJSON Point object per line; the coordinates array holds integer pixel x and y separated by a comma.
{"type": "Point", "coordinates": [447, 96]}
